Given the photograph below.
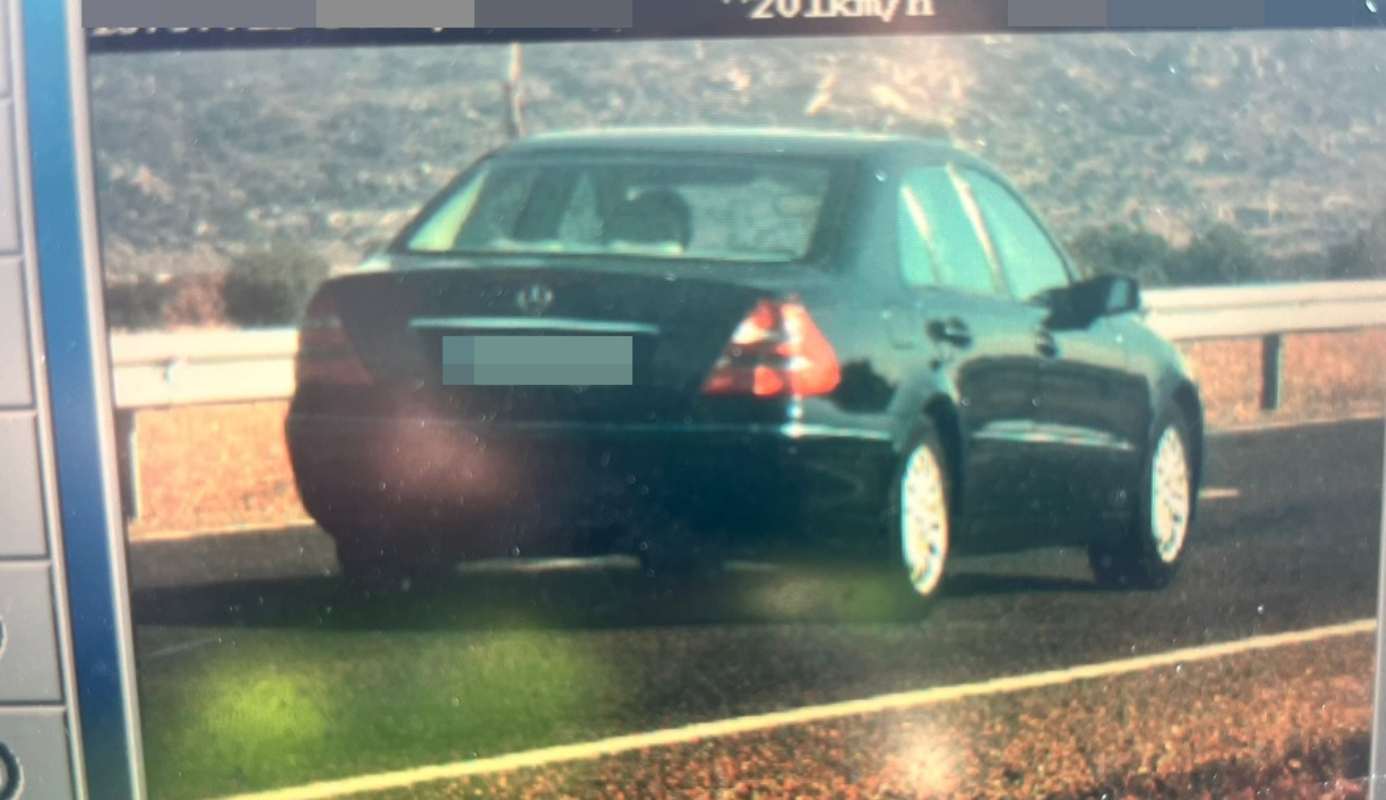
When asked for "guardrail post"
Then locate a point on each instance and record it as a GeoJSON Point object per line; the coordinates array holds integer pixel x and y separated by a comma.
{"type": "Point", "coordinates": [127, 459]}
{"type": "Point", "coordinates": [1272, 365]}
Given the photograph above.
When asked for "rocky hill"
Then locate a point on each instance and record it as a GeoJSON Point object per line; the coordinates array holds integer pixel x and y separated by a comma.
{"type": "Point", "coordinates": [204, 154]}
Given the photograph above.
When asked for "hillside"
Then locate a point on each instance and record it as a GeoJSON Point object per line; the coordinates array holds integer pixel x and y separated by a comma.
{"type": "Point", "coordinates": [201, 154]}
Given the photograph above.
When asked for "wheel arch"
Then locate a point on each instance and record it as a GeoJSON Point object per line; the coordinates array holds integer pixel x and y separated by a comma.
{"type": "Point", "coordinates": [1185, 400]}
{"type": "Point", "coordinates": [942, 414]}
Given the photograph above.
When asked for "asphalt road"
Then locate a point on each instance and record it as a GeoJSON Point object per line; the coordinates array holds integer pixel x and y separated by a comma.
{"type": "Point", "coordinates": [1288, 541]}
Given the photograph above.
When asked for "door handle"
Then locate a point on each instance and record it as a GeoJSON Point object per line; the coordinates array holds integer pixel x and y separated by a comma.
{"type": "Point", "coordinates": [952, 330]}
{"type": "Point", "coordinates": [1046, 344]}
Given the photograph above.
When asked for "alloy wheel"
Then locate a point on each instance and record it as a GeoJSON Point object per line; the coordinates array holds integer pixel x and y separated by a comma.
{"type": "Point", "coordinates": [1169, 495]}
{"type": "Point", "coordinates": [923, 520]}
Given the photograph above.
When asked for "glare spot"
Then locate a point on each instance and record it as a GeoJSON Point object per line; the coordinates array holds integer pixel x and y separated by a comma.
{"type": "Point", "coordinates": [1371, 6]}
{"type": "Point", "coordinates": [266, 707]}
{"type": "Point", "coordinates": [929, 765]}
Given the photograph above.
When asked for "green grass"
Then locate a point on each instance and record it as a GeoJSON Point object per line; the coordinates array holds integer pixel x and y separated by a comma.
{"type": "Point", "coordinates": [303, 687]}
{"type": "Point", "coordinates": [273, 708]}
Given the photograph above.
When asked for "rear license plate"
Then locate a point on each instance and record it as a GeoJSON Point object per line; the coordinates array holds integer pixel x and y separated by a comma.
{"type": "Point", "coordinates": [538, 360]}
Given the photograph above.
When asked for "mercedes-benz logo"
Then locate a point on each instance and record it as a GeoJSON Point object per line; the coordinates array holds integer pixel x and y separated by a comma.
{"type": "Point", "coordinates": [534, 299]}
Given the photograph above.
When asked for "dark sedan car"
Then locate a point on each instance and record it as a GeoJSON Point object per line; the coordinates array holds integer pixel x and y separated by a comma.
{"type": "Point", "coordinates": [677, 343]}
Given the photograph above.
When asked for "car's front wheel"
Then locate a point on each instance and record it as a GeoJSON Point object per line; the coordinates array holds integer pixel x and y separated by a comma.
{"type": "Point", "coordinates": [922, 516]}
{"type": "Point", "coordinates": [1148, 556]}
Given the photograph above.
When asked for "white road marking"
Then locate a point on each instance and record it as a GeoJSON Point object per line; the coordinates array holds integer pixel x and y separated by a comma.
{"type": "Point", "coordinates": [1219, 493]}
{"type": "Point", "coordinates": [183, 647]}
{"type": "Point", "coordinates": [506, 566]}
{"type": "Point", "coordinates": [540, 565]}
{"type": "Point", "coordinates": [738, 725]}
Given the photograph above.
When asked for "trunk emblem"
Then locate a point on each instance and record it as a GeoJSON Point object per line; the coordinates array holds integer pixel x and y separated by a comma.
{"type": "Point", "coordinates": [534, 299]}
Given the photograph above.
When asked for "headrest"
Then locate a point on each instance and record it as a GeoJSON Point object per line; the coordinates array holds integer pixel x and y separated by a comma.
{"type": "Point", "coordinates": [657, 215]}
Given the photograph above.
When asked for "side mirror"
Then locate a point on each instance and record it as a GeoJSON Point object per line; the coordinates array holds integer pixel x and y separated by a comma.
{"type": "Point", "coordinates": [1083, 303]}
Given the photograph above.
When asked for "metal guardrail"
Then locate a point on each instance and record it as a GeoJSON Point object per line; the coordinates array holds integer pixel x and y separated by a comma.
{"type": "Point", "coordinates": [155, 370]}
{"type": "Point", "coordinates": [170, 369]}
{"type": "Point", "coordinates": [1271, 309]}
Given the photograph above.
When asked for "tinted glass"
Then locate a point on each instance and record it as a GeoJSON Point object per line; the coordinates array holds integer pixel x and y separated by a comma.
{"type": "Point", "coordinates": [962, 259]}
{"type": "Point", "coordinates": [658, 205]}
{"type": "Point", "coordinates": [917, 259]}
{"type": "Point", "coordinates": [1031, 264]}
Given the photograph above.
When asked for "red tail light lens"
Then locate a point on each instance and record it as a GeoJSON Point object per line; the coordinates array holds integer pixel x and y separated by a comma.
{"type": "Point", "coordinates": [777, 350]}
{"type": "Point", "coordinates": [325, 354]}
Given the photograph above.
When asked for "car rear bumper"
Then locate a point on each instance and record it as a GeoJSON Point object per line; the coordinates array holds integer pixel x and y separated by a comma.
{"type": "Point", "coordinates": [545, 488]}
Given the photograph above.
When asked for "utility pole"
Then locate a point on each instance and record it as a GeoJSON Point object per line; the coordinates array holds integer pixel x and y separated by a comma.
{"type": "Point", "coordinates": [514, 94]}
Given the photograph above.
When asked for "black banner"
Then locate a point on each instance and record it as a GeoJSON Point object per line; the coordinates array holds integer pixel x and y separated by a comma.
{"type": "Point", "coordinates": [507, 20]}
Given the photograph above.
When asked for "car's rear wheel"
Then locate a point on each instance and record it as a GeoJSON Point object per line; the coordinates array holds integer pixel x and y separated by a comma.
{"type": "Point", "coordinates": [1150, 553]}
{"type": "Point", "coordinates": [922, 516]}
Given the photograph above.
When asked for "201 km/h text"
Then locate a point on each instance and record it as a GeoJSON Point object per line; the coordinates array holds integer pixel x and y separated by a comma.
{"type": "Point", "coordinates": [884, 10]}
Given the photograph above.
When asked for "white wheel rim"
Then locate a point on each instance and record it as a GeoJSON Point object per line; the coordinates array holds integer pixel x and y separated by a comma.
{"type": "Point", "coordinates": [923, 520]}
{"type": "Point", "coordinates": [1169, 495]}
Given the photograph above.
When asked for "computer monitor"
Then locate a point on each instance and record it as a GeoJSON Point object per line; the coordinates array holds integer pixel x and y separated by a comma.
{"type": "Point", "coordinates": [821, 398]}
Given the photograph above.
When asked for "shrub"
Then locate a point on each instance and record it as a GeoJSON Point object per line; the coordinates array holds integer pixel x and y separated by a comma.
{"type": "Point", "coordinates": [1125, 250]}
{"type": "Point", "coordinates": [1364, 256]}
{"type": "Point", "coordinates": [1220, 255]}
{"type": "Point", "coordinates": [136, 304]}
{"type": "Point", "coordinates": [272, 286]}
{"type": "Point", "coordinates": [196, 300]}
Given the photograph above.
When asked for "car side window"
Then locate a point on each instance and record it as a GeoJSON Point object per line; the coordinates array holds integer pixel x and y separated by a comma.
{"type": "Point", "coordinates": [918, 262]}
{"type": "Point", "coordinates": [1030, 261]}
{"type": "Point", "coordinates": [930, 200]}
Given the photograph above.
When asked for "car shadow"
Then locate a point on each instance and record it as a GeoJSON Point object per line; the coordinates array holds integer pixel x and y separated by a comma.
{"type": "Point", "coordinates": [981, 584]}
{"type": "Point", "coordinates": [576, 598]}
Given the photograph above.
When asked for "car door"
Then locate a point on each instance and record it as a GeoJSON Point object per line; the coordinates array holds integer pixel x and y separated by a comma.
{"type": "Point", "coordinates": [976, 334]}
{"type": "Point", "coordinates": [1083, 444]}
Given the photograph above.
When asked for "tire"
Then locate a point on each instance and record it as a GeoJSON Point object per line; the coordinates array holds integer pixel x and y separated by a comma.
{"type": "Point", "coordinates": [921, 515]}
{"type": "Point", "coordinates": [1148, 554]}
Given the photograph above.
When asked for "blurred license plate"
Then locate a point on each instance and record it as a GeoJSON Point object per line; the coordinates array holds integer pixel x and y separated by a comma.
{"type": "Point", "coordinates": [538, 360]}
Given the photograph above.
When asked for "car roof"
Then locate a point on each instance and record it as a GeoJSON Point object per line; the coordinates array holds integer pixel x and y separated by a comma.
{"type": "Point", "coordinates": [768, 141]}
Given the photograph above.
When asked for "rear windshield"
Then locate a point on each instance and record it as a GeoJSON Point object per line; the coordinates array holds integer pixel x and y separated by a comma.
{"type": "Point", "coordinates": [752, 209]}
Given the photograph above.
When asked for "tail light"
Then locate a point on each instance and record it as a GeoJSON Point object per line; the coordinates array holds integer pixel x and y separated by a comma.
{"type": "Point", "coordinates": [777, 350]}
{"type": "Point", "coordinates": [325, 354]}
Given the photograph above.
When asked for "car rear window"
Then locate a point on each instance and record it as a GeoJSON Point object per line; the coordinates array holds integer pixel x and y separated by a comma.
{"type": "Point", "coordinates": [668, 206]}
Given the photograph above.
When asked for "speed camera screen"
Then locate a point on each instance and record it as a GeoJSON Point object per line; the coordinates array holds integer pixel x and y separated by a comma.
{"type": "Point", "coordinates": [981, 415]}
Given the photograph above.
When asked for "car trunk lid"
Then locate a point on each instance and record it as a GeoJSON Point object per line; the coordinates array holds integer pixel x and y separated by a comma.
{"type": "Point", "coordinates": [679, 318]}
